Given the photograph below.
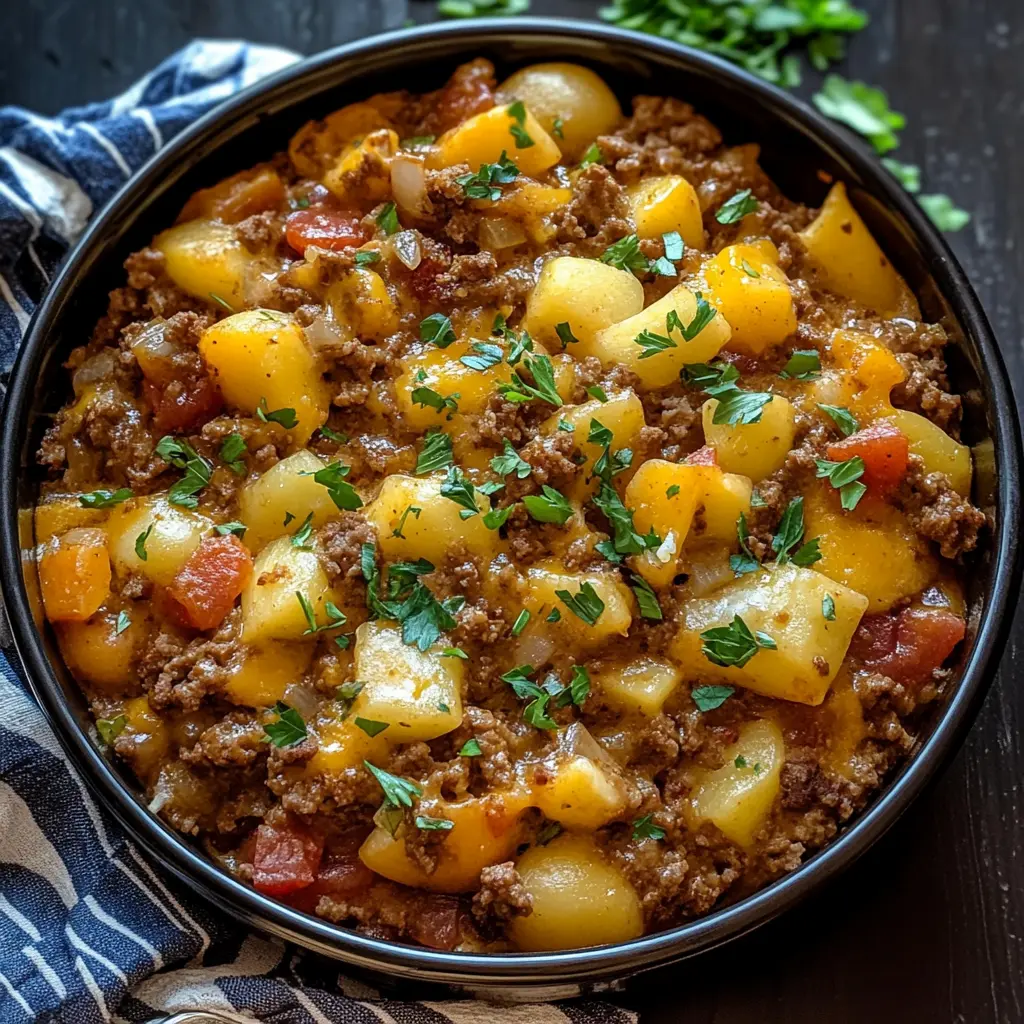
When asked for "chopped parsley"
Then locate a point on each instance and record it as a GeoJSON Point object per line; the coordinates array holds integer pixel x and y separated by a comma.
{"type": "Point", "coordinates": [231, 452]}
{"type": "Point", "coordinates": [585, 605]}
{"type": "Point", "coordinates": [140, 542]}
{"type": "Point", "coordinates": [862, 108]}
{"type": "Point", "coordinates": [370, 727]}
{"type": "Point", "coordinates": [842, 418]}
{"type": "Point", "coordinates": [222, 302]}
{"type": "Point", "coordinates": [104, 499]}
{"type": "Point", "coordinates": [437, 328]}
{"type": "Point", "coordinates": [543, 387]}
{"type": "Point", "coordinates": [672, 491]}
{"type": "Point", "coordinates": [646, 598]}
{"type": "Point", "coordinates": [791, 531]}
{"type": "Point", "coordinates": [517, 129]}
{"type": "Point", "coordinates": [334, 435]}
{"type": "Point", "coordinates": [426, 824]}
{"type": "Point", "coordinates": [285, 417]}
{"type": "Point", "coordinates": [828, 607]}
{"type": "Point", "coordinates": [410, 510]}
{"type": "Point", "coordinates": [557, 128]}
{"type": "Point", "coordinates": [597, 392]}
{"type": "Point", "coordinates": [521, 622]}
{"type": "Point", "coordinates": [387, 219]}
{"type": "Point", "coordinates": [803, 364]}
{"type": "Point", "coordinates": [707, 698]}
{"type": "Point", "coordinates": [486, 182]}
{"type": "Point", "coordinates": [845, 478]}
{"type": "Point", "coordinates": [736, 407]}
{"type": "Point", "coordinates": [302, 536]}
{"type": "Point", "coordinates": [625, 254]}
{"type": "Point", "coordinates": [459, 488]}
{"type": "Point", "coordinates": [673, 245]}
{"type": "Point", "coordinates": [367, 257]}
{"type": "Point", "coordinates": [110, 728]}
{"type": "Point", "coordinates": [397, 791]}
{"type": "Point", "coordinates": [471, 748]}
{"type": "Point", "coordinates": [238, 529]}
{"type": "Point", "coordinates": [428, 397]}
{"type": "Point", "coordinates": [435, 454]}
{"type": "Point", "coordinates": [485, 355]}
{"type": "Point", "coordinates": [197, 470]}
{"type": "Point", "coordinates": [550, 506]}
{"type": "Point", "coordinates": [644, 828]}
{"type": "Point", "coordinates": [288, 729]}
{"type": "Point", "coordinates": [736, 207]}
{"type": "Point", "coordinates": [498, 517]}
{"type": "Point", "coordinates": [123, 622]}
{"type": "Point", "coordinates": [733, 645]}
{"type": "Point", "coordinates": [565, 335]}
{"type": "Point", "coordinates": [342, 493]}
{"type": "Point", "coordinates": [593, 155]}
{"type": "Point", "coordinates": [455, 652]}
{"type": "Point", "coordinates": [510, 462]}
{"type": "Point", "coordinates": [745, 561]}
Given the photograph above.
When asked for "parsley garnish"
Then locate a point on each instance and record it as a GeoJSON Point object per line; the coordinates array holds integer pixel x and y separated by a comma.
{"type": "Point", "coordinates": [625, 254]}
{"type": "Point", "coordinates": [458, 487]}
{"type": "Point", "coordinates": [828, 607]}
{"type": "Point", "coordinates": [845, 478]}
{"type": "Point", "coordinates": [713, 378]}
{"type": "Point", "coordinates": [238, 529]}
{"type": "Point", "coordinates": [387, 219]}
{"type": "Point", "coordinates": [593, 155]}
{"type": "Point", "coordinates": [944, 213]}
{"type": "Point", "coordinates": [367, 257]}
{"type": "Point", "coordinates": [123, 622]}
{"type": "Point", "coordinates": [425, 397]}
{"type": "Point", "coordinates": [334, 435]}
{"type": "Point", "coordinates": [288, 729]}
{"type": "Point", "coordinates": [342, 493]}
{"type": "Point", "coordinates": [521, 621]}
{"type": "Point", "coordinates": [231, 452]}
{"type": "Point", "coordinates": [646, 598]}
{"type": "Point", "coordinates": [487, 181]}
{"type": "Point", "coordinates": [557, 127]}
{"type": "Point", "coordinates": [733, 645]}
{"type": "Point", "coordinates": [409, 510]}
{"type": "Point", "coordinates": [197, 470]}
{"type": "Point", "coordinates": [565, 335]}
{"type": "Point", "coordinates": [286, 417]}
{"type": "Point", "coordinates": [535, 713]}
{"type": "Point", "coordinates": [550, 506]}
{"type": "Point", "coordinates": [736, 407]}
{"type": "Point", "coordinates": [222, 302]}
{"type": "Point", "coordinates": [803, 364]}
{"type": "Point", "coordinates": [842, 418]}
{"type": "Point", "coordinates": [644, 828]}
{"type": "Point", "coordinates": [736, 207]}
{"type": "Point", "coordinates": [673, 245]}
{"type": "Point", "coordinates": [435, 454]}
{"type": "Point", "coordinates": [748, 269]}
{"type": "Point", "coordinates": [140, 542]}
{"type": "Point", "coordinates": [707, 698]}
{"type": "Point", "coordinates": [110, 728]}
{"type": "Point", "coordinates": [598, 392]}
{"type": "Point", "coordinates": [300, 538]}
{"type": "Point", "coordinates": [862, 108]}
{"type": "Point", "coordinates": [791, 530]}
{"type": "Point", "coordinates": [484, 356]}
{"type": "Point", "coordinates": [672, 491]}
{"type": "Point", "coordinates": [397, 791]}
{"type": "Point", "coordinates": [586, 604]}
{"type": "Point", "coordinates": [517, 112]}
{"type": "Point", "coordinates": [498, 517]}
{"type": "Point", "coordinates": [370, 727]}
{"type": "Point", "coordinates": [744, 562]}
{"type": "Point", "coordinates": [455, 652]}
{"type": "Point", "coordinates": [510, 462]}
{"type": "Point", "coordinates": [543, 386]}
{"type": "Point", "coordinates": [104, 499]}
{"type": "Point", "coordinates": [433, 824]}
{"type": "Point", "coordinates": [417, 141]}
{"type": "Point", "coordinates": [471, 748]}
{"type": "Point", "coordinates": [553, 616]}
{"type": "Point", "coordinates": [438, 329]}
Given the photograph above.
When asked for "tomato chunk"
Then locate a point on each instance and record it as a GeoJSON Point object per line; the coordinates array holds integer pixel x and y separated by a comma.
{"type": "Point", "coordinates": [208, 583]}
{"type": "Point", "coordinates": [706, 456]}
{"type": "Point", "coordinates": [286, 859]}
{"type": "Point", "coordinates": [884, 450]}
{"type": "Point", "coordinates": [328, 229]}
{"type": "Point", "coordinates": [908, 645]}
{"type": "Point", "coordinates": [183, 406]}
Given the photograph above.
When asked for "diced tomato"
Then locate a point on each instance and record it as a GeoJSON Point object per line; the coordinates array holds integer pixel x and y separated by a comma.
{"type": "Point", "coordinates": [884, 450]}
{"type": "Point", "coordinates": [183, 406]}
{"type": "Point", "coordinates": [908, 645]}
{"type": "Point", "coordinates": [339, 876]}
{"type": "Point", "coordinates": [706, 456]}
{"type": "Point", "coordinates": [208, 583]}
{"type": "Point", "coordinates": [328, 229]}
{"type": "Point", "coordinates": [286, 859]}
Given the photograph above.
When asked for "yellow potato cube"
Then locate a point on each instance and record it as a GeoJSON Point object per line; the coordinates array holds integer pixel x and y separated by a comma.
{"type": "Point", "coordinates": [851, 263]}
{"type": "Point", "coordinates": [873, 550]}
{"type": "Point", "coordinates": [617, 345]}
{"type": "Point", "coordinates": [939, 452]}
{"type": "Point", "coordinates": [149, 735]}
{"type": "Point", "coordinates": [435, 529]}
{"type": "Point", "coordinates": [571, 95]}
{"type": "Point", "coordinates": [57, 516]}
{"type": "Point", "coordinates": [752, 294]}
{"type": "Point", "coordinates": [785, 602]}
{"type": "Point", "coordinates": [175, 532]}
{"type": "Point", "coordinates": [418, 694]}
{"type": "Point", "coordinates": [342, 745]}
{"type": "Point", "coordinates": [287, 487]}
{"type": "Point", "coordinates": [206, 259]}
{"type": "Point", "coordinates": [261, 355]}
{"type": "Point", "coordinates": [484, 137]}
{"type": "Point", "coordinates": [738, 797]}
{"type": "Point", "coordinates": [259, 677]}
{"type": "Point", "coordinates": [663, 496]}
{"type": "Point", "coordinates": [586, 294]}
{"type": "Point", "coordinates": [361, 305]}
{"type": "Point", "coordinates": [99, 654]}
{"type": "Point", "coordinates": [579, 898]}
{"type": "Point", "coordinates": [374, 152]}
{"type": "Point", "coordinates": [317, 143]}
{"type": "Point", "coordinates": [666, 203]}
{"type": "Point", "coordinates": [642, 685]}
{"type": "Point", "coordinates": [271, 609]}
{"type": "Point", "coordinates": [755, 450]}
{"type": "Point", "coordinates": [874, 370]}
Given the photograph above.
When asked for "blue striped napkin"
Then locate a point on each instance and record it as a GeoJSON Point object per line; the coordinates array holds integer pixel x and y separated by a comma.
{"type": "Point", "coordinates": [89, 930]}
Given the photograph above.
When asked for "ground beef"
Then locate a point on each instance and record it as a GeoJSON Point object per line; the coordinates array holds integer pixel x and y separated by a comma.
{"type": "Point", "coordinates": [341, 541]}
{"type": "Point", "coordinates": [237, 739]}
{"type": "Point", "coordinates": [598, 212]}
{"type": "Point", "coordinates": [939, 513]}
{"type": "Point", "coordinates": [551, 461]}
{"type": "Point", "coordinates": [500, 898]}
{"type": "Point", "coordinates": [924, 391]}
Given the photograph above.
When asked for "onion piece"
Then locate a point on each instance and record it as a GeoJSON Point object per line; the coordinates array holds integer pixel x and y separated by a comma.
{"type": "Point", "coordinates": [500, 233]}
{"type": "Point", "coordinates": [534, 649]}
{"type": "Point", "coordinates": [406, 246]}
{"type": "Point", "coordinates": [323, 331]}
{"type": "Point", "coordinates": [302, 699]}
{"type": "Point", "coordinates": [409, 183]}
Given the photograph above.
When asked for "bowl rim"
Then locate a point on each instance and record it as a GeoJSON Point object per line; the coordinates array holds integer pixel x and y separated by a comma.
{"type": "Point", "coordinates": [282, 90]}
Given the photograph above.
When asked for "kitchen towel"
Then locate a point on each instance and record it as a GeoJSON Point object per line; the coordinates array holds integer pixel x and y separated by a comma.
{"type": "Point", "coordinates": [90, 931]}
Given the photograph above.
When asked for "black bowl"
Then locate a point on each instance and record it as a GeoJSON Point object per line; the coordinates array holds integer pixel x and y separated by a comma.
{"type": "Point", "coordinates": [798, 146]}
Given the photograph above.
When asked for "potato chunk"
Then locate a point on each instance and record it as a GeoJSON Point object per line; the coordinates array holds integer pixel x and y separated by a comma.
{"type": "Point", "coordinates": [101, 655]}
{"type": "Point", "coordinates": [874, 370]}
{"type": "Point", "coordinates": [484, 137]}
{"type": "Point", "coordinates": [939, 452]}
{"type": "Point", "coordinates": [642, 685]}
{"type": "Point", "coordinates": [586, 294]}
{"type": "Point", "coordinates": [174, 533]}
{"type": "Point", "coordinates": [738, 797]}
{"type": "Point", "coordinates": [206, 259]}
{"type": "Point", "coordinates": [755, 450]}
{"type": "Point", "coordinates": [579, 898]}
{"type": "Point", "coordinates": [261, 675]}
{"type": "Point", "coordinates": [873, 550]}
{"type": "Point", "coordinates": [342, 745]}
{"type": "Point", "coordinates": [74, 575]}
{"type": "Point", "coordinates": [617, 345]}
{"type": "Point", "coordinates": [851, 263]}
{"type": "Point", "coordinates": [486, 831]}
{"type": "Point", "coordinates": [746, 286]}
{"type": "Point", "coordinates": [270, 608]}
{"type": "Point", "coordinates": [418, 694]}
{"type": "Point", "coordinates": [361, 305]}
{"type": "Point", "coordinates": [666, 203]}
{"type": "Point", "coordinates": [261, 355]}
{"type": "Point", "coordinates": [785, 602]}
{"type": "Point", "coordinates": [287, 487]}
{"type": "Point", "coordinates": [435, 529]}
{"type": "Point", "coordinates": [149, 736]}
{"type": "Point", "coordinates": [574, 96]}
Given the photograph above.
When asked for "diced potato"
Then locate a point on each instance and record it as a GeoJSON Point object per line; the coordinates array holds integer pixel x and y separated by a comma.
{"type": "Point", "coordinates": [785, 602]}
{"type": "Point", "coordinates": [622, 414]}
{"type": "Point", "coordinates": [417, 693]}
{"type": "Point", "coordinates": [74, 575]}
{"type": "Point", "coordinates": [368, 162]}
{"type": "Point", "coordinates": [851, 263]}
{"type": "Point", "coordinates": [575, 96]}
{"type": "Point", "coordinates": [586, 294]}
{"type": "Point", "coordinates": [486, 831]}
{"type": "Point", "coordinates": [668, 514]}
{"type": "Point", "coordinates": [755, 450]}
{"type": "Point", "coordinates": [939, 452]}
{"type": "Point", "coordinates": [101, 656]}
{"type": "Point", "coordinates": [874, 369]}
{"type": "Point", "coordinates": [437, 527]}
{"type": "Point", "coordinates": [205, 258]}
{"type": "Point", "coordinates": [174, 533]}
{"type": "Point", "coordinates": [746, 286]}
{"type": "Point", "coordinates": [342, 746]}
{"type": "Point", "coordinates": [270, 608]}
{"type": "Point", "coordinates": [723, 497]}
{"type": "Point", "coordinates": [361, 305]}
{"type": "Point", "coordinates": [579, 898]}
{"type": "Point", "coordinates": [525, 211]}
{"type": "Point", "coordinates": [738, 797]}
{"type": "Point", "coordinates": [149, 736]}
{"type": "Point", "coordinates": [261, 355]}
{"type": "Point", "coordinates": [617, 346]}
{"type": "Point", "coordinates": [484, 137]}
{"type": "Point", "coordinates": [873, 550]}
{"type": "Point", "coordinates": [642, 685]}
{"type": "Point", "coordinates": [53, 518]}
{"type": "Point", "coordinates": [237, 197]}
{"type": "Point", "coordinates": [287, 487]}
{"type": "Point", "coordinates": [317, 143]}
{"type": "Point", "coordinates": [546, 578]}
{"type": "Point", "coordinates": [666, 203]}
{"type": "Point", "coordinates": [259, 677]}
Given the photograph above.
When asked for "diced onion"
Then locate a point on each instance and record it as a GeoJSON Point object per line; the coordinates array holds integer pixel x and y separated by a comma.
{"type": "Point", "coordinates": [534, 649]}
{"type": "Point", "coordinates": [406, 246]}
{"type": "Point", "coordinates": [668, 549]}
{"type": "Point", "coordinates": [500, 233]}
{"type": "Point", "coordinates": [85, 536]}
{"type": "Point", "coordinates": [409, 183]}
{"type": "Point", "coordinates": [323, 331]}
{"type": "Point", "coordinates": [95, 368]}
{"type": "Point", "coordinates": [302, 699]}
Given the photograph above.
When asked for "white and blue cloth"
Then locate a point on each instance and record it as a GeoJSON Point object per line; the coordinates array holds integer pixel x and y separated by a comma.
{"type": "Point", "coordinates": [90, 930]}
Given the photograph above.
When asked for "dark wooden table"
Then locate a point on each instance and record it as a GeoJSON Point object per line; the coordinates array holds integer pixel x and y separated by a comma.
{"type": "Point", "coordinates": [929, 927]}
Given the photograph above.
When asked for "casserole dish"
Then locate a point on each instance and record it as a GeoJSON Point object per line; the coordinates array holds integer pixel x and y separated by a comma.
{"type": "Point", "coordinates": [801, 152]}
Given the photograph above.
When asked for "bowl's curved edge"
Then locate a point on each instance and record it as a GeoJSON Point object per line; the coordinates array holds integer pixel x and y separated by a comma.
{"type": "Point", "coordinates": [586, 966]}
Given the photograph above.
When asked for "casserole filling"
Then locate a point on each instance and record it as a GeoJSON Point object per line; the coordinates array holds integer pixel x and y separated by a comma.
{"type": "Point", "coordinates": [504, 523]}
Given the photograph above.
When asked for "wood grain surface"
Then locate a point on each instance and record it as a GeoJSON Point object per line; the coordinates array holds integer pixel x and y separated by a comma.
{"type": "Point", "coordinates": [929, 926]}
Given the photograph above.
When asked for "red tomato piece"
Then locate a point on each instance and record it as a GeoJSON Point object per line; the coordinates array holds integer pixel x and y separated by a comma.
{"type": "Point", "coordinates": [183, 406]}
{"type": "Point", "coordinates": [337, 877]}
{"type": "Point", "coordinates": [286, 859]}
{"type": "Point", "coordinates": [327, 229]}
{"type": "Point", "coordinates": [208, 583]}
{"type": "Point", "coordinates": [436, 921]}
{"type": "Point", "coordinates": [706, 456]}
{"type": "Point", "coordinates": [884, 450]}
{"type": "Point", "coordinates": [910, 644]}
